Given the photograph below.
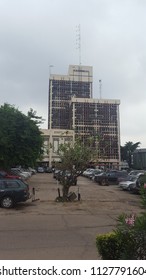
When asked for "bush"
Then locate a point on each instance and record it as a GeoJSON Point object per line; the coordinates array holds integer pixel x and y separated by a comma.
{"type": "Point", "coordinates": [108, 246]}
{"type": "Point", "coordinates": [143, 195]}
{"type": "Point", "coordinates": [126, 242]}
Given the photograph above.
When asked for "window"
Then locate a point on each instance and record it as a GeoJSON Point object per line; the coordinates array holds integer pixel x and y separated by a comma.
{"type": "Point", "coordinates": [55, 145]}
{"type": "Point", "coordinates": [11, 184]}
{"type": "Point", "coordinates": [1, 185]}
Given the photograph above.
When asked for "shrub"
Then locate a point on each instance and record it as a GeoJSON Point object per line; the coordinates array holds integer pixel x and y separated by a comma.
{"type": "Point", "coordinates": [143, 195]}
{"type": "Point", "coordinates": [108, 246]}
{"type": "Point", "coordinates": [126, 242]}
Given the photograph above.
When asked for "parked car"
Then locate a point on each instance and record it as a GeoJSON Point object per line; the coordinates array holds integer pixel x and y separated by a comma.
{"type": "Point", "coordinates": [32, 170]}
{"type": "Point", "coordinates": [141, 179]}
{"type": "Point", "coordinates": [87, 172]}
{"type": "Point", "coordinates": [71, 177]}
{"type": "Point", "coordinates": [13, 191]}
{"type": "Point", "coordinates": [48, 169]}
{"type": "Point", "coordinates": [18, 172]}
{"type": "Point", "coordinates": [94, 173]}
{"type": "Point", "coordinates": [111, 177]}
{"type": "Point", "coordinates": [40, 169]}
{"type": "Point", "coordinates": [60, 175]}
{"type": "Point", "coordinates": [129, 183]}
{"type": "Point", "coordinates": [4, 174]}
{"type": "Point", "coordinates": [136, 172]}
{"type": "Point", "coordinates": [55, 173]}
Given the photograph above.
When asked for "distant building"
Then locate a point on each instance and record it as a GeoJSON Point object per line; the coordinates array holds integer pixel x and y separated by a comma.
{"type": "Point", "coordinates": [72, 111]}
{"type": "Point", "coordinates": [139, 159]}
{"type": "Point", "coordinates": [52, 139]}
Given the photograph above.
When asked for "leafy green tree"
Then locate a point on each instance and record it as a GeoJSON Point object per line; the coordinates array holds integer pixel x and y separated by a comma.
{"type": "Point", "coordinates": [127, 150]}
{"type": "Point", "coordinates": [32, 115]}
{"type": "Point", "coordinates": [74, 158]}
{"type": "Point", "coordinates": [20, 138]}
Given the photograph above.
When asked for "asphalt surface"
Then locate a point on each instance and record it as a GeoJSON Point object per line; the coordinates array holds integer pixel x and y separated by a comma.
{"type": "Point", "coordinates": [44, 229]}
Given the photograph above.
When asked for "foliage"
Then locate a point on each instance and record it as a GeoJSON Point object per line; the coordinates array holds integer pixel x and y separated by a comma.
{"type": "Point", "coordinates": [74, 158]}
{"type": "Point", "coordinates": [127, 241]}
{"type": "Point", "coordinates": [32, 115]}
{"type": "Point", "coordinates": [143, 195]}
{"type": "Point", "coordinates": [127, 150]}
{"type": "Point", "coordinates": [107, 245]}
{"type": "Point", "coordinates": [20, 138]}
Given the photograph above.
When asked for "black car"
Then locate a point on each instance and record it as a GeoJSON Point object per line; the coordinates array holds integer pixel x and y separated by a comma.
{"type": "Point", "coordinates": [13, 191]}
{"type": "Point", "coordinates": [110, 177]}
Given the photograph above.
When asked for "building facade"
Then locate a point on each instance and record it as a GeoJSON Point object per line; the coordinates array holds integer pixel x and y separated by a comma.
{"type": "Point", "coordinates": [62, 88]}
{"type": "Point", "coordinates": [138, 159]}
{"type": "Point", "coordinates": [98, 118]}
{"type": "Point", "coordinates": [72, 111]}
{"type": "Point", "coordinates": [52, 139]}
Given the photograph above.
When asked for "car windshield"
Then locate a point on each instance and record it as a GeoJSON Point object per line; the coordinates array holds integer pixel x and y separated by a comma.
{"type": "Point", "coordinates": [132, 178]}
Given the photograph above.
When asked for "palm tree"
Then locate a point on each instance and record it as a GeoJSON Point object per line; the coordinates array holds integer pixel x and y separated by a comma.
{"type": "Point", "coordinates": [127, 150]}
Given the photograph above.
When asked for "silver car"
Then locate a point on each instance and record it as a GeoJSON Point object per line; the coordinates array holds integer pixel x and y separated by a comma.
{"type": "Point", "coordinates": [127, 185]}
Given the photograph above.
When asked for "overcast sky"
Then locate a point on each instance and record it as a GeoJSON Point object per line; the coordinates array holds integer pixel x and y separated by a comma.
{"type": "Point", "coordinates": [37, 33]}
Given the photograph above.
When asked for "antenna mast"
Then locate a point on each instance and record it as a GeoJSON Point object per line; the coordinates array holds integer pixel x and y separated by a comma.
{"type": "Point", "coordinates": [78, 41]}
{"type": "Point", "coordinates": [100, 88]}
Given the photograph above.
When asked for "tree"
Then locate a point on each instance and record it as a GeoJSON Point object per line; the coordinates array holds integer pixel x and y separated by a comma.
{"type": "Point", "coordinates": [127, 150]}
{"type": "Point", "coordinates": [74, 158]}
{"type": "Point", "coordinates": [20, 138]}
{"type": "Point", "coordinates": [32, 115]}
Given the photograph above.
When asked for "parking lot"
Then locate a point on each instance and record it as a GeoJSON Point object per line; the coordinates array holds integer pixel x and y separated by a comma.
{"type": "Point", "coordinates": [44, 229]}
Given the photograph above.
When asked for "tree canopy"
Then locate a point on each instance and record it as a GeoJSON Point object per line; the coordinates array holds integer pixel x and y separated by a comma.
{"type": "Point", "coordinates": [74, 158]}
{"type": "Point", "coordinates": [127, 150]}
{"type": "Point", "coordinates": [21, 141]}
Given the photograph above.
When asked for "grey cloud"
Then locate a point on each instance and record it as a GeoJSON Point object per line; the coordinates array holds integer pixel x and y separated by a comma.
{"type": "Point", "coordinates": [35, 34]}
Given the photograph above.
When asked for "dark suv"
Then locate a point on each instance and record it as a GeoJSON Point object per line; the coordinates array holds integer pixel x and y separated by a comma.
{"type": "Point", "coordinates": [111, 177]}
{"type": "Point", "coordinates": [13, 191]}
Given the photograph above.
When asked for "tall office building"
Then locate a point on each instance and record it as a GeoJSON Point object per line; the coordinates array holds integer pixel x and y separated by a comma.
{"type": "Point", "coordinates": [72, 108]}
{"type": "Point", "coordinates": [98, 118]}
{"type": "Point", "coordinates": [78, 83]}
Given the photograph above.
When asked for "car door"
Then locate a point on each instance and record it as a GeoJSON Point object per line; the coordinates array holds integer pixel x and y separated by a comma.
{"type": "Point", "coordinates": [112, 177]}
{"type": "Point", "coordinates": [12, 189]}
{"type": "Point", "coordinates": [2, 189]}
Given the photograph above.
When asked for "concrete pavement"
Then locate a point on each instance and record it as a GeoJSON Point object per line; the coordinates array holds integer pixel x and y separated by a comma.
{"type": "Point", "coordinates": [44, 229]}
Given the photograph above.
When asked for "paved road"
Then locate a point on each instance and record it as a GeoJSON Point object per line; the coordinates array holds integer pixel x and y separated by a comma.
{"type": "Point", "coordinates": [44, 229]}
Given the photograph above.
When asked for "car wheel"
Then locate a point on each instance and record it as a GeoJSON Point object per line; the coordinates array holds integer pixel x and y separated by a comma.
{"type": "Point", "coordinates": [104, 182]}
{"type": "Point", "coordinates": [7, 202]}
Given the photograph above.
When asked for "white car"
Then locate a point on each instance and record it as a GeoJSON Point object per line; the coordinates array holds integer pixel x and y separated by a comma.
{"type": "Point", "coordinates": [126, 185]}
{"type": "Point", "coordinates": [130, 183]}
{"type": "Point", "coordinates": [40, 169]}
{"type": "Point", "coordinates": [87, 172]}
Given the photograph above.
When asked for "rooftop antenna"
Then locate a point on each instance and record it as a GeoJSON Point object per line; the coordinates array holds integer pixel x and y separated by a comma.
{"type": "Point", "coordinates": [78, 41]}
{"type": "Point", "coordinates": [50, 67]}
{"type": "Point", "coordinates": [100, 88]}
